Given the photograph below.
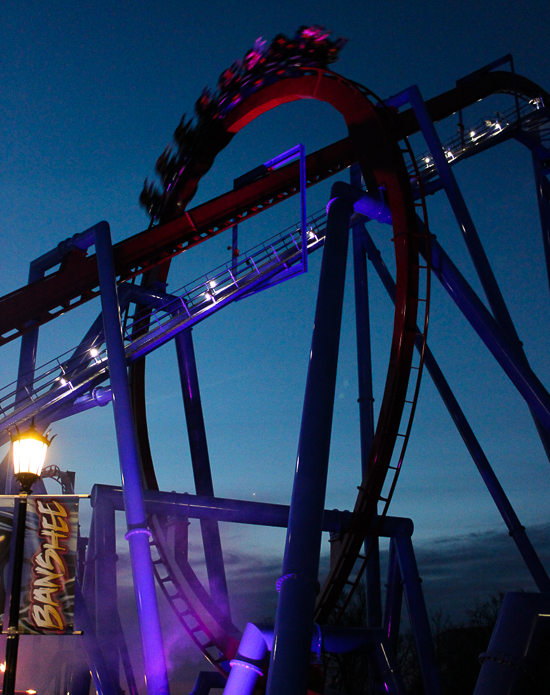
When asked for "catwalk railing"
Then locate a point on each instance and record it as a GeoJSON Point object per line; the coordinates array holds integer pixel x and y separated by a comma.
{"type": "Point", "coordinates": [76, 371]}
{"type": "Point", "coordinates": [486, 132]}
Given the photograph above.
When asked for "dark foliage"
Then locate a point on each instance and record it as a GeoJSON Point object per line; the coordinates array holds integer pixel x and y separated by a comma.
{"type": "Point", "coordinates": [457, 646]}
{"type": "Point", "coordinates": [349, 673]}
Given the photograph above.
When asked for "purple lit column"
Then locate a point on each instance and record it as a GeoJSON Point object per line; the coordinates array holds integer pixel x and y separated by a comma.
{"type": "Point", "coordinates": [366, 402]}
{"type": "Point", "coordinates": [472, 240]}
{"type": "Point", "coordinates": [138, 534]}
{"type": "Point", "coordinates": [200, 461]}
{"type": "Point", "coordinates": [543, 198]}
{"type": "Point", "coordinates": [105, 559]}
{"type": "Point", "coordinates": [517, 531]}
{"type": "Point", "coordinates": [299, 583]}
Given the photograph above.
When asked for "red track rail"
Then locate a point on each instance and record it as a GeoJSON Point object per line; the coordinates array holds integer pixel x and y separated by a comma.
{"type": "Point", "coordinates": [373, 142]}
{"type": "Point", "coordinates": [76, 281]}
{"type": "Point", "coordinates": [376, 147]}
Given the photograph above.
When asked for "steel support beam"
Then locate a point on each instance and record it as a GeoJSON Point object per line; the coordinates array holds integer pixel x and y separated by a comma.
{"type": "Point", "coordinates": [420, 622]}
{"type": "Point", "coordinates": [482, 321]}
{"type": "Point", "coordinates": [471, 238]}
{"type": "Point", "coordinates": [138, 534]}
{"type": "Point", "coordinates": [515, 528]}
{"type": "Point", "coordinates": [460, 210]}
{"type": "Point", "coordinates": [105, 559]}
{"type": "Point", "coordinates": [186, 506]}
{"type": "Point", "coordinates": [100, 673]}
{"type": "Point", "coordinates": [365, 400]}
{"type": "Point", "coordinates": [543, 199]}
{"type": "Point", "coordinates": [299, 581]}
{"type": "Point", "coordinates": [394, 598]}
{"type": "Point", "coordinates": [200, 461]}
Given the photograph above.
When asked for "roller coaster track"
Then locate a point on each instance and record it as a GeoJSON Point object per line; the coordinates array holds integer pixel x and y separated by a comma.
{"type": "Point", "coordinates": [76, 372]}
{"type": "Point", "coordinates": [374, 142]}
{"type": "Point", "coordinates": [77, 282]}
{"type": "Point", "coordinates": [213, 633]}
{"type": "Point", "coordinates": [79, 371]}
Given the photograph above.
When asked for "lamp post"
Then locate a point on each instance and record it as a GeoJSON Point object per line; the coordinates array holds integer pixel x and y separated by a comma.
{"type": "Point", "coordinates": [29, 453]}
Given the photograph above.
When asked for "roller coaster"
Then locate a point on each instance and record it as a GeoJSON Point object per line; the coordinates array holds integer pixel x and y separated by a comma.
{"type": "Point", "coordinates": [390, 185]}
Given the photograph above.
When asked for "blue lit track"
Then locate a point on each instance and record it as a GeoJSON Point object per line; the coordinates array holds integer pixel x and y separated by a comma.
{"type": "Point", "coordinates": [377, 141]}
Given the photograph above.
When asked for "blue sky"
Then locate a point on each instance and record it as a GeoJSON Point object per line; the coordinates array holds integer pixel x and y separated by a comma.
{"type": "Point", "coordinates": [91, 95]}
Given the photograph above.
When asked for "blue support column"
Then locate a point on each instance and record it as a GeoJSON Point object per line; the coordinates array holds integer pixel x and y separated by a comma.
{"type": "Point", "coordinates": [98, 668]}
{"type": "Point", "coordinates": [105, 559]}
{"type": "Point", "coordinates": [29, 340]}
{"type": "Point", "coordinates": [303, 185]}
{"type": "Point", "coordinates": [394, 597]}
{"type": "Point", "coordinates": [473, 242]}
{"type": "Point", "coordinates": [299, 583]}
{"type": "Point", "coordinates": [365, 400]}
{"type": "Point", "coordinates": [543, 199]}
{"type": "Point", "coordinates": [202, 473]}
{"type": "Point", "coordinates": [362, 320]}
{"type": "Point", "coordinates": [138, 534]}
{"type": "Point", "coordinates": [235, 236]}
{"type": "Point", "coordinates": [27, 359]}
{"type": "Point", "coordinates": [88, 582]}
{"type": "Point", "coordinates": [462, 214]}
{"type": "Point", "coordinates": [80, 681]}
{"type": "Point", "coordinates": [100, 571]}
{"type": "Point", "coordinates": [420, 623]}
{"type": "Point", "coordinates": [481, 320]}
{"type": "Point", "coordinates": [27, 364]}
{"type": "Point", "coordinates": [516, 530]}
{"type": "Point", "coordinates": [206, 680]}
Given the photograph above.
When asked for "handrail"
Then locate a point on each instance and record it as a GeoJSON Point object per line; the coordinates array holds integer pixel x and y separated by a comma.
{"type": "Point", "coordinates": [76, 281]}
{"type": "Point", "coordinates": [375, 144]}
{"type": "Point", "coordinates": [68, 374]}
{"type": "Point", "coordinates": [190, 293]}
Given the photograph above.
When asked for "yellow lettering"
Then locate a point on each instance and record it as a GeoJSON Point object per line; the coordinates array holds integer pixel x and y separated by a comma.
{"type": "Point", "coordinates": [54, 539]}
{"type": "Point", "coordinates": [50, 560]}
{"type": "Point", "coordinates": [49, 567]}
{"type": "Point", "coordinates": [48, 580]}
{"type": "Point", "coordinates": [47, 617]}
{"type": "Point", "coordinates": [45, 509]}
{"type": "Point", "coordinates": [45, 595]}
{"type": "Point", "coordinates": [56, 524]}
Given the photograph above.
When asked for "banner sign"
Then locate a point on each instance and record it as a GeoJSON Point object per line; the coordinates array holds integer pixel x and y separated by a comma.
{"type": "Point", "coordinates": [48, 582]}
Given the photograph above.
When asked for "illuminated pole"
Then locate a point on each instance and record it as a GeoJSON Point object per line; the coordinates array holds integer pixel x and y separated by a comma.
{"type": "Point", "coordinates": [138, 534]}
{"type": "Point", "coordinates": [29, 453]}
{"type": "Point", "coordinates": [12, 643]}
{"type": "Point", "coordinates": [299, 581]}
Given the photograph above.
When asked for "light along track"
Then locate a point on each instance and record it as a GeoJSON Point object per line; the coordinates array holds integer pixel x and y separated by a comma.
{"type": "Point", "coordinates": [76, 282]}
{"type": "Point", "coordinates": [375, 145]}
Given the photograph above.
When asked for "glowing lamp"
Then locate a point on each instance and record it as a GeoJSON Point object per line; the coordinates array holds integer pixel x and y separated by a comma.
{"type": "Point", "coordinates": [29, 454]}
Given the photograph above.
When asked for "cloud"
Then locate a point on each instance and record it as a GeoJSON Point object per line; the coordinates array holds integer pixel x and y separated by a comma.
{"type": "Point", "coordinates": [456, 572]}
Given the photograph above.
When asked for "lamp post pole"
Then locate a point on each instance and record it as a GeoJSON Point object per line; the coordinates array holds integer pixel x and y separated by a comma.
{"type": "Point", "coordinates": [12, 644]}
{"type": "Point", "coordinates": [29, 453]}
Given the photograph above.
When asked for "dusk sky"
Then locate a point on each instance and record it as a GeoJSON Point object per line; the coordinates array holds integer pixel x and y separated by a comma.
{"type": "Point", "coordinates": [91, 94]}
